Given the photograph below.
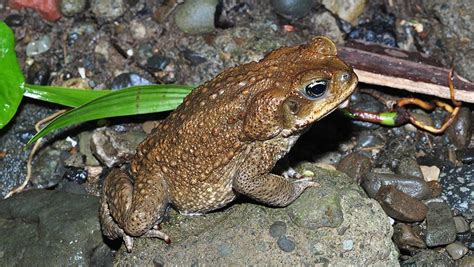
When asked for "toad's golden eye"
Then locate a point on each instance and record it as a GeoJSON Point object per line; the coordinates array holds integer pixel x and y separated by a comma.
{"type": "Point", "coordinates": [315, 89]}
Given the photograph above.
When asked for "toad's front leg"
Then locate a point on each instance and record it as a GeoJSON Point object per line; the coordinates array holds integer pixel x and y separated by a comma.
{"type": "Point", "coordinates": [131, 210]}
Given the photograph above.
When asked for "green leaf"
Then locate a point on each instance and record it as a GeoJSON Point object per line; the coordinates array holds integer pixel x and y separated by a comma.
{"type": "Point", "coordinates": [70, 97]}
{"type": "Point", "coordinates": [128, 101]}
{"type": "Point", "coordinates": [11, 77]}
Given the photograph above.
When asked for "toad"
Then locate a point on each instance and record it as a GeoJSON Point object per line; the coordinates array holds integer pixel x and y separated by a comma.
{"type": "Point", "coordinates": [224, 140]}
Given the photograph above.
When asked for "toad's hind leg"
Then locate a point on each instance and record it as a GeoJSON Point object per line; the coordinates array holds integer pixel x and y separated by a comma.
{"type": "Point", "coordinates": [130, 210]}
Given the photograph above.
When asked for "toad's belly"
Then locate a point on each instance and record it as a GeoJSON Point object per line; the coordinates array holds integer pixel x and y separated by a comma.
{"type": "Point", "coordinates": [203, 198]}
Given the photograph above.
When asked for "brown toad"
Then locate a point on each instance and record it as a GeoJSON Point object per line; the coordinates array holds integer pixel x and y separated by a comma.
{"type": "Point", "coordinates": [225, 138]}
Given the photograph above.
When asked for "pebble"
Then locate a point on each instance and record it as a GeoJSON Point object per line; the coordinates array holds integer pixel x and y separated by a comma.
{"type": "Point", "coordinates": [461, 224]}
{"type": "Point", "coordinates": [430, 173]}
{"type": "Point", "coordinates": [355, 166]}
{"type": "Point", "coordinates": [74, 174]}
{"type": "Point", "coordinates": [405, 237]}
{"type": "Point", "coordinates": [193, 58]}
{"type": "Point", "coordinates": [367, 139]}
{"type": "Point", "coordinates": [70, 8]}
{"type": "Point", "coordinates": [286, 244]}
{"type": "Point", "coordinates": [196, 17]}
{"type": "Point", "coordinates": [38, 73]}
{"type": "Point", "coordinates": [460, 132]}
{"type": "Point", "coordinates": [347, 245]}
{"type": "Point", "coordinates": [292, 8]}
{"type": "Point", "coordinates": [128, 79]}
{"type": "Point", "coordinates": [157, 62]}
{"type": "Point", "coordinates": [138, 30]}
{"type": "Point", "coordinates": [48, 9]}
{"type": "Point", "coordinates": [411, 186]}
{"type": "Point", "coordinates": [467, 261]}
{"type": "Point", "coordinates": [458, 188]}
{"type": "Point", "coordinates": [278, 229]}
{"type": "Point", "coordinates": [401, 206]}
{"type": "Point", "coordinates": [409, 166]}
{"type": "Point", "coordinates": [456, 250]}
{"type": "Point", "coordinates": [14, 20]}
{"type": "Point", "coordinates": [38, 46]}
{"type": "Point", "coordinates": [108, 9]}
{"type": "Point", "coordinates": [428, 257]}
{"type": "Point", "coordinates": [440, 227]}
{"type": "Point", "coordinates": [465, 155]}
{"type": "Point", "coordinates": [346, 10]}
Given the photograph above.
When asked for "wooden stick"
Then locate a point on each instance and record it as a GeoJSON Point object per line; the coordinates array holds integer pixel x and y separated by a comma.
{"type": "Point", "coordinates": [411, 71]}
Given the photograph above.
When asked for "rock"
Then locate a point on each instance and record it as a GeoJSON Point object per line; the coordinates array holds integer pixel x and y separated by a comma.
{"type": "Point", "coordinates": [112, 148]}
{"type": "Point", "coordinates": [38, 74]}
{"type": "Point", "coordinates": [461, 224]}
{"type": "Point", "coordinates": [38, 46]}
{"type": "Point", "coordinates": [14, 20]}
{"type": "Point", "coordinates": [435, 188]}
{"type": "Point", "coordinates": [70, 8]}
{"type": "Point", "coordinates": [430, 173]}
{"type": "Point", "coordinates": [406, 237]}
{"type": "Point", "coordinates": [327, 25]}
{"type": "Point", "coordinates": [157, 62]}
{"type": "Point", "coordinates": [193, 58]}
{"type": "Point", "coordinates": [456, 250]}
{"type": "Point", "coordinates": [440, 227]}
{"type": "Point", "coordinates": [240, 234]}
{"type": "Point", "coordinates": [411, 186]}
{"type": "Point", "coordinates": [409, 166]}
{"type": "Point", "coordinates": [460, 132]}
{"type": "Point", "coordinates": [292, 8]}
{"type": "Point", "coordinates": [467, 261]}
{"type": "Point", "coordinates": [458, 188]}
{"type": "Point", "coordinates": [54, 227]}
{"type": "Point", "coordinates": [368, 139]}
{"type": "Point", "coordinates": [85, 149]}
{"type": "Point", "coordinates": [128, 79]}
{"type": "Point", "coordinates": [465, 155]}
{"type": "Point", "coordinates": [355, 165]}
{"type": "Point", "coordinates": [428, 257]}
{"type": "Point", "coordinates": [346, 10]}
{"type": "Point", "coordinates": [139, 30]}
{"type": "Point", "coordinates": [47, 8]}
{"type": "Point", "coordinates": [108, 9]}
{"type": "Point", "coordinates": [401, 206]}
{"type": "Point", "coordinates": [196, 17]}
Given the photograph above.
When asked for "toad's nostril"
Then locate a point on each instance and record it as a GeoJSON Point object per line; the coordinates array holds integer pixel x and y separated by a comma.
{"type": "Point", "coordinates": [345, 76]}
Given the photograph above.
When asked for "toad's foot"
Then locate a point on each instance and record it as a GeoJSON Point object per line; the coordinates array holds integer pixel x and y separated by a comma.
{"type": "Point", "coordinates": [153, 233]}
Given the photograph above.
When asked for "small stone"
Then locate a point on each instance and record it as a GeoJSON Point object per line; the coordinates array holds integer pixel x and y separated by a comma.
{"type": "Point", "coordinates": [108, 9]}
{"type": "Point", "coordinates": [409, 166]}
{"type": "Point", "coordinates": [435, 188]}
{"type": "Point", "coordinates": [193, 58]}
{"type": "Point", "coordinates": [38, 46]}
{"type": "Point", "coordinates": [367, 139]}
{"type": "Point", "coordinates": [14, 20]}
{"type": "Point", "coordinates": [355, 166]}
{"type": "Point", "coordinates": [196, 16]}
{"type": "Point", "coordinates": [286, 244]}
{"type": "Point", "coordinates": [76, 175]}
{"type": "Point", "coordinates": [400, 206]}
{"type": "Point", "coordinates": [467, 261]}
{"type": "Point", "coordinates": [465, 155]}
{"type": "Point", "coordinates": [411, 186]}
{"type": "Point", "coordinates": [456, 250]}
{"type": "Point", "coordinates": [47, 8]}
{"type": "Point", "coordinates": [157, 62]}
{"type": "Point", "coordinates": [38, 73]}
{"type": "Point", "coordinates": [346, 10]}
{"type": "Point", "coordinates": [224, 249]}
{"type": "Point", "coordinates": [440, 227]}
{"type": "Point", "coordinates": [328, 24]}
{"type": "Point", "coordinates": [347, 245]}
{"type": "Point", "coordinates": [292, 8]}
{"type": "Point", "coordinates": [138, 30]}
{"type": "Point", "coordinates": [460, 132]}
{"type": "Point", "coordinates": [430, 173]}
{"type": "Point", "coordinates": [128, 79]}
{"type": "Point", "coordinates": [428, 257]}
{"type": "Point", "coordinates": [405, 237]}
{"type": "Point", "coordinates": [461, 224]}
{"type": "Point", "coordinates": [458, 188]}
{"type": "Point", "coordinates": [70, 8]}
{"type": "Point", "coordinates": [278, 229]}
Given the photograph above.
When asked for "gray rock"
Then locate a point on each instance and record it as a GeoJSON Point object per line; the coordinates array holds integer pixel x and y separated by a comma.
{"type": "Point", "coordinates": [292, 8]}
{"type": "Point", "coordinates": [278, 229]}
{"type": "Point", "coordinates": [241, 233]}
{"type": "Point", "coordinates": [70, 8]}
{"type": "Point", "coordinates": [53, 228]}
{"type": "Point", "coordinates": [465, 155]}
{"type": "Point", "coordinates": [428, 257]}
{"type": "Point", "coordinates": [456, 250]}
{"type": "Point", "coordinates": [409, 185]}
{"type": "Point", "coordinates": [409, 166]}
{"type": "Point", "coordinates": [440, 227]}
{"type": "Point", "coordinates": [461, 224]}
{"type": "Point", "coordinates": [406, 237]}
{"type": "Point", "coordinates": [346, 10]}
{"type": "Point", "coordinates": [458, 189]}
{"type": "Point", "coordinates": [112, 148]}
{"type": "Point", "coordinates": [196, 16]}
{"type": "Point", "coordinates": [326, 24]}
{"type": "Point", "coordinates": [85, 149]}
{"type": "Point", "coordinates": [460, 132]}
{"type": "Point", "coordinates": [108, 9]}
{"type": "Point", "coordinates": [38, 46]}
{"type": "Point", "coordinates": [467, 261]}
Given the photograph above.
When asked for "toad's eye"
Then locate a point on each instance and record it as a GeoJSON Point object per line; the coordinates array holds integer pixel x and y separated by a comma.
{"type": "Point", "coordinates": [316, 89]}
